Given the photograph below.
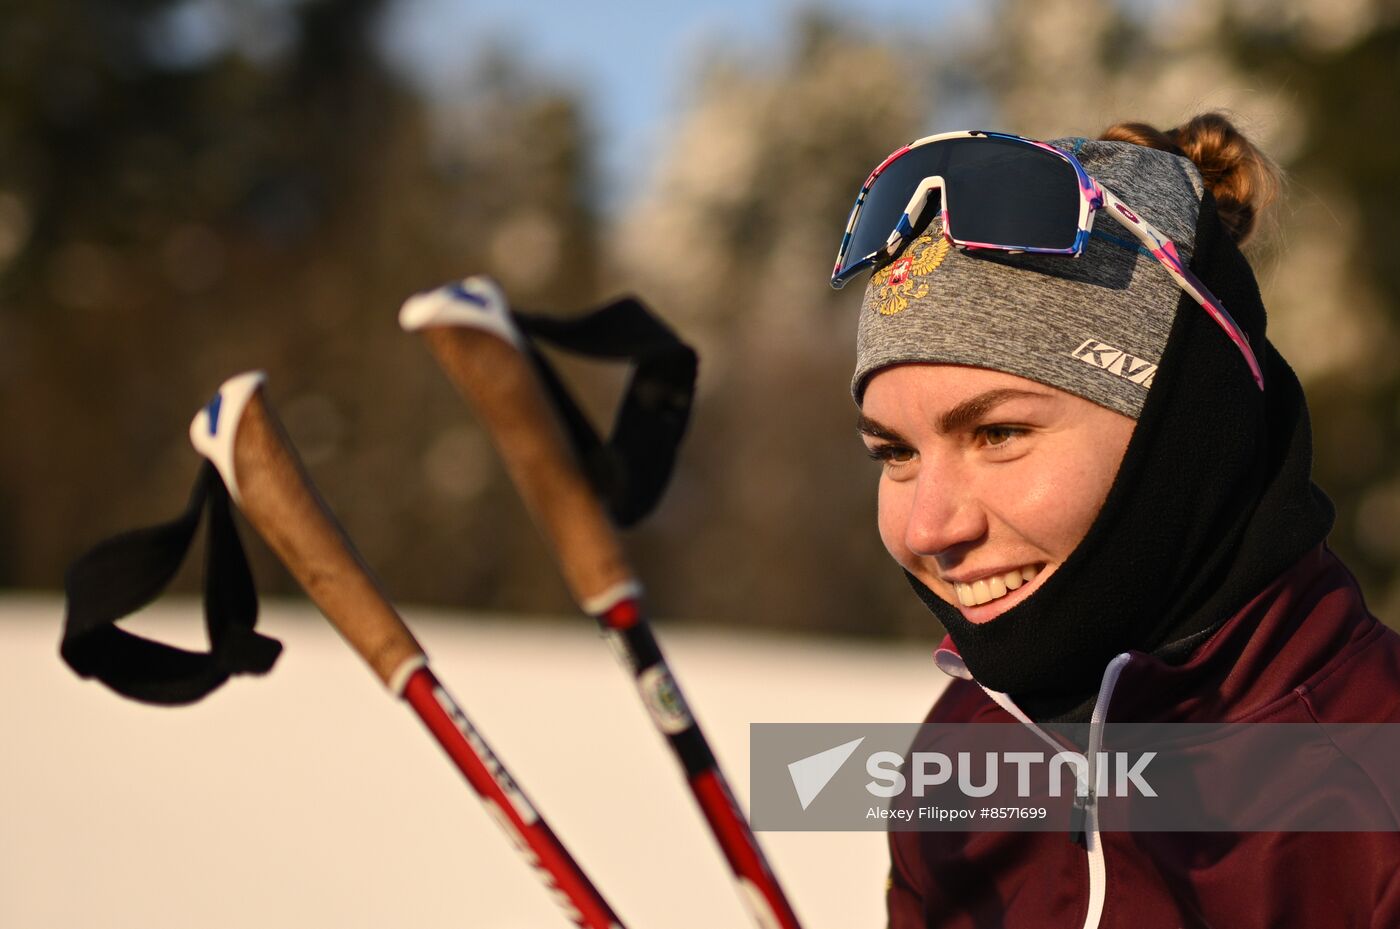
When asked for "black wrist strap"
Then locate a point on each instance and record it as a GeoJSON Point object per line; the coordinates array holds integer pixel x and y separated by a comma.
{"type": "Point", "coordinates": [121, 575]}
{"type": "Point", "coordinates": [631, 469]}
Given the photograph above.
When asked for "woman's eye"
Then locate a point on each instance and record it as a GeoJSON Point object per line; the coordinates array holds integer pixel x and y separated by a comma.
{"type": "Point", "coordinates": [999, 436]}
{"type": "Point", "coordinates": [890, 454]}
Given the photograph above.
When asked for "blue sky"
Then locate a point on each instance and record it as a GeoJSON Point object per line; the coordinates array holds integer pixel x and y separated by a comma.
{"type": "Point", "coordinates": [630, 60]}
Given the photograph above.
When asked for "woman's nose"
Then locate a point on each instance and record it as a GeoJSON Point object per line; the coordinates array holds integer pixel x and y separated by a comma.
{"type": "Point", "coordinates": [945, 512]}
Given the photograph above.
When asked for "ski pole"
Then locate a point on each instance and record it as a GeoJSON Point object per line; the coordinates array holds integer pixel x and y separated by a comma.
{"type": "Point", "coordinates": [469, 329]}
{"type": "Point", "coordinates": [240, 433]}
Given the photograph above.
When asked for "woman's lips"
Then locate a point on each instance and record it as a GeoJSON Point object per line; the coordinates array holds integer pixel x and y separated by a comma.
{"type": "Point", "coordinates": [987, 589]}
{"type": "Point", "coordinates": [996, 592]}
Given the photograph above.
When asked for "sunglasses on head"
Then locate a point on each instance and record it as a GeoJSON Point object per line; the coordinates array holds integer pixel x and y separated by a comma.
{"type": "Point", "coordinates": [1001, 192]}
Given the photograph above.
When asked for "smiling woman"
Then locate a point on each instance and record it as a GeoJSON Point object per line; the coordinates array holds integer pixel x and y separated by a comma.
{"type": "Point", "coordinates": [989, 480]}
{"type": "Point", "coordinates": [1095, 470]}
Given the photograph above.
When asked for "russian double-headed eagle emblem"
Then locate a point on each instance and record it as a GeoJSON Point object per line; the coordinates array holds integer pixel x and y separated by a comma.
{"type": "Point", "coordinates": [903, 280]}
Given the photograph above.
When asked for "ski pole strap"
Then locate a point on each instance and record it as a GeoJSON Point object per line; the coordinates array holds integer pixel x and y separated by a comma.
{"type": "Point", "coordinates": [631, 469]}
{"type": "Point", "coordinates": [122, 574]}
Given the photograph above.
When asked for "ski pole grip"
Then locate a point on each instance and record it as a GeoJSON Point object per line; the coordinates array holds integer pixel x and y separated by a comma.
{"type": "Point", "coordinates": [242, 435]}
{"type": "Point", "coordinates": [468, 329]}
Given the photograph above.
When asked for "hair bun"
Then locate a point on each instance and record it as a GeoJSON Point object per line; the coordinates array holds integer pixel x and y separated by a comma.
{"type": "Point", "coordinates": [1243, 180]}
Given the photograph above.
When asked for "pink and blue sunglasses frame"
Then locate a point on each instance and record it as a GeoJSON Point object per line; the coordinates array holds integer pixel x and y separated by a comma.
{"type": "Point", "coordinates": [1092, 197]}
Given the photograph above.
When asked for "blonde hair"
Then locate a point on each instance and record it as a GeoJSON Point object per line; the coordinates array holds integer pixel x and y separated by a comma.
{"type": "Point", "coordinates": [1243, 180]}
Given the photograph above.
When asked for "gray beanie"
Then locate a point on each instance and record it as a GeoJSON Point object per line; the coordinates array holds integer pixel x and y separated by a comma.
{"type": "Point", "coordinates": [1093, 326]}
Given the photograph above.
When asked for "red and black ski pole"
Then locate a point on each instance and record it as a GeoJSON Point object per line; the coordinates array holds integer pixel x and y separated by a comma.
{"type": "Point", "coordinates": [242, 436]}
{"type": "Point", "coordinates": [468, 327]}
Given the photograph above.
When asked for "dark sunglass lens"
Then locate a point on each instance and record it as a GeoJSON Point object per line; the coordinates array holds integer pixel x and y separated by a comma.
{"type": "Point", "coordinates": [1014, 195]}
{"type": "Point", "coordinates": [890, 194]}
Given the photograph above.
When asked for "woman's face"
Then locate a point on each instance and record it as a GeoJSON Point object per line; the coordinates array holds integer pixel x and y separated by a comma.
{"type": "Point", "coordinates": [988, 481]}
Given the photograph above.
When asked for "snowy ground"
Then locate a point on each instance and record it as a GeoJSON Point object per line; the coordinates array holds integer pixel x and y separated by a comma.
{"type": "Point", "coordinates": [311, 799]}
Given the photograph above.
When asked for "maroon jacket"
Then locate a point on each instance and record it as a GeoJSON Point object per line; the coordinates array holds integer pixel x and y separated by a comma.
{"type": "Point", "coordinates": [1304, 650]}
